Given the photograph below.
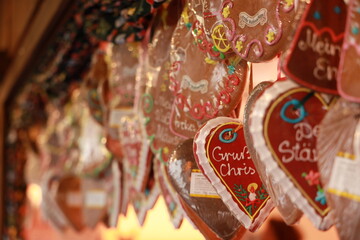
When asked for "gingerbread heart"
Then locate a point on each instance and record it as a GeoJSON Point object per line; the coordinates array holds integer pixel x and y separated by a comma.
{"type": "Point", "coordinates": [145, 200]}
{"type": "Point", "coordinates": [215, 90]}
{"type": "Point", "coordinates": [337, 148]}
{"type": "Point", "coordinates": [222, 155]}
{"type": "Point", "coordinates": [120, 90]}
{"type": "Point", "coordinates": [256, 32]}
{"type": "Point", "coordinates": [285, 122]}
{"type": "Point", "coordinates": [157, 100]}
{"type": "Point", "coordinates": [318, 40]}
{"type": "Point", "coordinates": [199, 195]}
{"type": "Point", "coordinates": [290, 213]}
{"type": "Point", "coordinates": [348, 69]}
{"type": "Point", "coordinates": [176, 213]}
{"type": "Point", "coordinates": [49, 207]}
{"type": "Point", "coordinates": [135, 147]}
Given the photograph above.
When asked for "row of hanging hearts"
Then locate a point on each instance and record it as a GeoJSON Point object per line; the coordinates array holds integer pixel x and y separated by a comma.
{"type": "Point", "coordinates": [170, 110]}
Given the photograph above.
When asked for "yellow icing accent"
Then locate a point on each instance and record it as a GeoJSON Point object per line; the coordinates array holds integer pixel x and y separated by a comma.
{"type": "Point", "coordinates": [163, 87]}
{"type": "Point", "coordinates": [226, 11]}
{"type": "Point", "coordinates": [185, 15]}
{"type": "Point", "coordinates": [289, 3]}
{"type": "Point", "coordinates": [166, 150]}
{"type": "Point", "coordinates": [131, 11]}
{"type": "Point", "coordinates": [219, 38]}
{"type": "Point", "coordinates": [239, 45]}
{"type": "Point", "coordinates": [210, 61]}
{"type": "Point", "coordinates": [270, 36]}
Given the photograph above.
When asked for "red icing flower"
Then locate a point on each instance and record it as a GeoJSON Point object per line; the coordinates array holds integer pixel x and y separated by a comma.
{"type": "Point", "coordinates": [313, 178]}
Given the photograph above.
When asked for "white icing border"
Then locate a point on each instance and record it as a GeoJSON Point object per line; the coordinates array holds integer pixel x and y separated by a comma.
{"type": "Point", "coordinates": [200, 156]}
{"type": "Point", "coordinates": [272, 168]}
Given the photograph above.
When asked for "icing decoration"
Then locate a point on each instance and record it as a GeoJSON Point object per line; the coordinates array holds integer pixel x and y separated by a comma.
{"type": "Point", "coordinates": [254, 32]}
{"type": "Point", "coordinates": [289, 155]}
{"type": "Point", "coordinates": [222, 155]}
{"type": "Point", "coordinates": [199, 198]}
{"type": "Point", "coordinates": [318, 40]}
{"type": "Point", "coordinates": [289, 212]}
{"type": "Point", "coordinates": [349, 65]}
{"type": "Point", "coordinates": [208, 93]}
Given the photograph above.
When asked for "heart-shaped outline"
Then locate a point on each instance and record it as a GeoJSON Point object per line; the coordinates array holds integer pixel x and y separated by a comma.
{"type": "Point", "coordinates": [200, 151]}
{"type": "Point", "coordinates": [257, 119]}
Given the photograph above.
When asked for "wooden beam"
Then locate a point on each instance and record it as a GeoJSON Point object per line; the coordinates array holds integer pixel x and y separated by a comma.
{"type": "Point", "coordinates": [48, 14]}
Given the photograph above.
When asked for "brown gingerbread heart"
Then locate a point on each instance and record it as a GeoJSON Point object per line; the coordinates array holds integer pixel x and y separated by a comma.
{"type": "Point", "coordinates": [119, 91]}
{"type": "Point", "coordinates": [206, 208]}
{"type": "Point", "coordinates": [157, 100]}
{"type": "Point", "coordinates": [338, 163]}
{"type": "Point", "coordinates": [216, 89]}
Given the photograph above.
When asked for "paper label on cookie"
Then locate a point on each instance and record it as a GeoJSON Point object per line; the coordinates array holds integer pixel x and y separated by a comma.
{"type": "Point", "coordinates": [200, 186]}
{"type": "Point", "coordinates": [345, 173]}
{"type": "Point", "coordinates": [95, 199]}
{"type": "Point", "coordinates": [73, 199]}
{"type": "Point", "coordinates": [251, 21]}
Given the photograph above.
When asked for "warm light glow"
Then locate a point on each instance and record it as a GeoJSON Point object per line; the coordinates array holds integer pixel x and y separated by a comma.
{"type": "Point", "coordinates": [157, 226]}
{"type": "Point", "coordinates": [34, 194]}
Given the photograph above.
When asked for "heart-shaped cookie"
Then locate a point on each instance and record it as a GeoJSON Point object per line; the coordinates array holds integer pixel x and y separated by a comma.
{"type": "Point", "coordinates": [157, 100]}
{"type": "Point", "coordinates": [256, 32]}
{"type": "Point", "coordinates": [119, 91]}
{"type": "Point", "coordinates": [349, 64]}
{"type": "Point", "coordinates": [337, 147]}
{"type": "Point", "coordinates": [176, 213]}
{"type": "Point", "coordinates": [137, 155]}
{"type": "Point", "coordinates": [197, 193]}
{"type": "Point", "coordinates": [49, 207]}
{"type": "Point", "coordinates": [222, 155]}
{"type": "Point", "coordinates": [285, 122]}
{"type": "Point", "coordinates": [288, 210]}
{"type": "Point", "coordinates": [318, 40]}
{"type": "Point", "coordinates": [215, 90]}
{"type": "Point", "coordinates": [145, 200]}
{"type": "Point", "coordinates": [83, 201]}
